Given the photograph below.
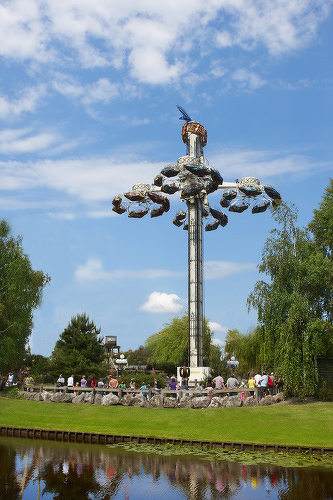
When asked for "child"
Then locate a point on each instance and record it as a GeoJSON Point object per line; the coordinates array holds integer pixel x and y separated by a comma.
{"type": "Point", "coordinates": [76, 388]}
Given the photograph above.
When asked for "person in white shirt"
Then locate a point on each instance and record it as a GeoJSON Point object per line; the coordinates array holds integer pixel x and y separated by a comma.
{"type": "Point", "coordinates": [257, 379]}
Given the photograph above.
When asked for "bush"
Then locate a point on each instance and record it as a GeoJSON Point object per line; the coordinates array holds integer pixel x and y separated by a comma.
{"type": "Point", "coordinates": [12, 393]}
{"type": "Point", "coordinates": [325, 393]}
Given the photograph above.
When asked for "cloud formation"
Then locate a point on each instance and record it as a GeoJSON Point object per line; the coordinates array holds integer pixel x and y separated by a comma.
{"type": "Point", "coordinates": [159, 302]}
{"type": "Point", "coordinates": [93, 270]}
{"type": "Point", "coordinates": [85, 181]}
{"type": "Point", "coordinates": [220, 269]}
{"type": "Point", "coordinates": [151, 40]}
{"type": "Point", "coordinates": [216, 327]}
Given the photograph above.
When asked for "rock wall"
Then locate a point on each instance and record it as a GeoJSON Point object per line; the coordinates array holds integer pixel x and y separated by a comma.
{"type": "Point", "coordinates": [157, 401]}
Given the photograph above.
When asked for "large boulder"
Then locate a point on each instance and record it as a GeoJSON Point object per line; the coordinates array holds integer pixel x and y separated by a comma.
{"type": "Point", "coordinates": [157, 401]}
{"type": "Point", "coordinates": [201, 402]}
{"type": "Point", "coordinates": [98, 399]}
{"type": "Point", "coordinates": [233, 402]}
{"type": "Point", "coordinates": [79, 399]}
{"type": "Point", "coordinates": [61, 397]}
{"type": "Point", "coordinates": [185, 402]}
{"type": "Point", "coordinates": [36, 396]}
{"type": "Point", "coordinates": [139, 401]}
{"type": "Point", "coordinates": [126, 400]}
{"type": "Point", "coordinates": [277, 398]}
{"type": "Point", "coordinates": [217, 402]}
{"type": "Point", "coordinates": [110, 400]}
{"type": "Point", "coordinates": [32, 396]}
{"type": "Point", "coordinates": [267, 400]}
{"type": "Point", "coordinates": [170, 402]}
{"type": "Point", "coordinates": [26, 395]}
{"type": "Point", "coordinates": [250, 401]}
{"type": "Point", "coordinates": [46, 395]}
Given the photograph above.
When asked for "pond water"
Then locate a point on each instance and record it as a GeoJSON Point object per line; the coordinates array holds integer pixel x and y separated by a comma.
{"type": "Point", "coordinates": [47, 470]}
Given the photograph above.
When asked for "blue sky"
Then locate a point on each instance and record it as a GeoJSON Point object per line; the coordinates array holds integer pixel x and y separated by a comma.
{"type": "Point", "coordinates": [88, 94]}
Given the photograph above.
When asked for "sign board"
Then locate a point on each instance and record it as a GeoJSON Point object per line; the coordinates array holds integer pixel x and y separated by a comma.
{"type": "Point", "coordinates": [197, 373]}
{"type": "Point", "coordinates": [111, 339]}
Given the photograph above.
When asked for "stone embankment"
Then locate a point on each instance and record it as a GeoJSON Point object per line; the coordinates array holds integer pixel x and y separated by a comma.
{"type": "Point", "coordinates": [156, 401]}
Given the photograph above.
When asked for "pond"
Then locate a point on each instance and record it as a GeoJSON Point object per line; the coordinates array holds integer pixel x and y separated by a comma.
{"type": "Point", "coordinates": [46, 470]}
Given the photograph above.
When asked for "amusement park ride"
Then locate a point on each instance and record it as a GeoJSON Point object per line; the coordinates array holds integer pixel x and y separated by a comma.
{"type": "Point", "coordinates": [195, 180]}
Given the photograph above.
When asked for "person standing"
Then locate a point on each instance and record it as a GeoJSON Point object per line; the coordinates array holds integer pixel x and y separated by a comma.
{"type": "Point", "coordinates": [232, 383]}
{"type": "Point", "coordinates": [100, 385]}
{"type": "Point", "coordinates": [173, 386]}
{"type": "Point", "coordinates": [60, 381]}
{"type": "Point", "coordinates": [143, 387]}
{"type": "Point", "coordinates": [251, 384]}
{"type": "Point", "coordinates": [280, 384]}
{"type": "Point", "coordinates": [113, 384]}
{"type": "Point", "coordinates": [218, 382]}
{"type": "Point", "coordinates": [263, 385]}
{"type": "Point", "coordinates": [29, 382]}
{"type": "Point", "coordinates": [70, 381]}
{"type": "Point", "coordinates": [83, 382]}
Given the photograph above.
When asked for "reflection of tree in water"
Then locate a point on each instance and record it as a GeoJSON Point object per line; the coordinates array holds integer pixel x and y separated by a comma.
{"type": "Point", "coordinates": [76, 482]}
{"type": "Point", "coordinates": [9, 483]}
{"type": "Point", "coordinates": [73, 471]}
{"type": "Point", "coordinates": [318, 485]}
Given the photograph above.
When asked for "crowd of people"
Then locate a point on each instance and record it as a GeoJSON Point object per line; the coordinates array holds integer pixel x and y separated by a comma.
{"type": "Point", "coordinates": [266, 383]}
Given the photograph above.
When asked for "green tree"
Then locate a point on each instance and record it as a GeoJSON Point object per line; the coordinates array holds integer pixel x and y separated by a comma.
{"type": "Point", "coordinates": [36, 363]}
{"type": "Point", "coordinates": [322, 223]}
{"type": "Point", "coordinates": [79, 349]}
{"type": "Point", "coordinates": [292, 324]}
{"type": "Point", "coordinates": [321, 226]}
{"type": "Point", "coordinates": [20, 294]}
{"type": "Point", "coordinates": [245, 348]}
{"type": "Point", "coordinates": [169, 347]}
{"type": "Point", "coordinates": [139, 356]}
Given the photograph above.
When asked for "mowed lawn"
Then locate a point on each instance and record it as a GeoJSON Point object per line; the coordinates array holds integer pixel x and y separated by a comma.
{"type": "Point", "coordinates": [300, 425]}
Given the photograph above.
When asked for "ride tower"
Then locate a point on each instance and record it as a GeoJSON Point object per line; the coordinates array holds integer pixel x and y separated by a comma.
{"type": "Point", "coordinates": [195, 180]}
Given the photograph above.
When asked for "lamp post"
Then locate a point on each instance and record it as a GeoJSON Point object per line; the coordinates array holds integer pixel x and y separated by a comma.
{"type": "Point", "coordinates": [122, 361]}
{"type": "Point", "coordinates": [233, 363]}
{"type": "Point", "coordinates": [195, 181]}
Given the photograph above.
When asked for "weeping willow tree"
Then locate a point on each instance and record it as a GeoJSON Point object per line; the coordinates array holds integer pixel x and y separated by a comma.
{"type": "Point", "coordinates": [169, 347]}
{"type": "Point", "coordinates": [294, 326]}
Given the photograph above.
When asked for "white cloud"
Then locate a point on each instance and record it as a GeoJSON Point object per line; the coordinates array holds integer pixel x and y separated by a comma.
{"type": "Point", "coordinates": [86, 179]}
{"type": "Point", "coordinates": [159, 302]}
{"type": "Point", "coordinates": [248, 79]}
{"type": "Point", "coordinates": [101, 91]}
{"type": "Point", "coordinates": [27, 101]}
{"type": "Point", "coordinates": [91, 180]}
{"type": "Point", "coordinates": [219, 269]}
{"type": "Point", "coordinates": [152, 40]}
{"type": "Point", "coordinates": [93, 270]}
{"type": "Point", "coordinates": [263, 164]}
{"type": "Point", "coordinates": [216, 327]}
{"type": "Point", "coordinates": [25, 141]}
{"type": "Point", "coordinates": [218, 342]}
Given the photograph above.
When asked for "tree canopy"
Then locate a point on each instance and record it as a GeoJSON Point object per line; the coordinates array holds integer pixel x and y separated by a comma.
{"type": "Point", "coordinates": [294, 305]}
{"type": "Point", "coordinates": [169, 347]}
{"type": "Point", "coordinates": [245, 348]}
{"type": "Point", "coordinates": [21, 290]}
{"type": "Point", "coordinates": [79, 349]}
{"type": "Point", "coordinates": [321, 225]}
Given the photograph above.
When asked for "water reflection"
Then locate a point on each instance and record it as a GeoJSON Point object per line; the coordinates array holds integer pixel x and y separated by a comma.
{"type": "Point", "coordinates": [44, 470]}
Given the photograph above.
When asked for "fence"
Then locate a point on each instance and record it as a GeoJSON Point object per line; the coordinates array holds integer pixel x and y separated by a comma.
{"type": "Point", "coordinates": [146, 392]}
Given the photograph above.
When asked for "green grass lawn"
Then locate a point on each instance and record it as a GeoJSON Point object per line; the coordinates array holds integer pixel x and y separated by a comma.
{"type": "Point", "coordinates": [300, 425]}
